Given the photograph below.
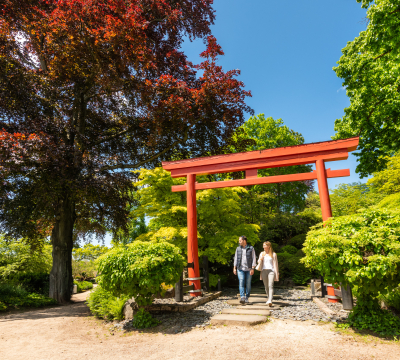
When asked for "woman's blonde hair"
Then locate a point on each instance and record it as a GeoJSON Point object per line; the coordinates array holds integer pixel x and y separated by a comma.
{"type": "Point", "coordinates": [271, 250]}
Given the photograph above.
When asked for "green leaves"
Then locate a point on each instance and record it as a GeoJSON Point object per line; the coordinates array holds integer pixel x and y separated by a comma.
{"type": "Point", "coordinates": [361, 249]}
{"type": "Point", "coordinates": [370, 70]}
{"type": "Point", "coordinates": [139, 269]}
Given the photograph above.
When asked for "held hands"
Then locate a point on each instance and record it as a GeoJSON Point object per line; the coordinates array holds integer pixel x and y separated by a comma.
{"type": "Point", "coordinates": [252, 272]}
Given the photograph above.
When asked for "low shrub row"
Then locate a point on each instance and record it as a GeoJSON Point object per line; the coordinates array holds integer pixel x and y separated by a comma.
{"type": "Point", "coordinates": [83, 285]}
{"type": "Point", "coordinates": [15, 296]}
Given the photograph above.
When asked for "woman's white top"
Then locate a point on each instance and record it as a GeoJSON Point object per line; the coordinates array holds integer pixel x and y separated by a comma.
{"type": "Point", "coordinates": [267, 264]}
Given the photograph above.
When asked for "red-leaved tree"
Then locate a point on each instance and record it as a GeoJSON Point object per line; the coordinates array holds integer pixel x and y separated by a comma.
{"type": "Point", "coordinates": [90, 90]}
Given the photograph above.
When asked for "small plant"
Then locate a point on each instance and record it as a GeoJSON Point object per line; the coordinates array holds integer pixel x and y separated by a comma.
{"type": "Point", "coordinates": [143, 320]}
{"type": "Point", "coordinates": [104, 305]}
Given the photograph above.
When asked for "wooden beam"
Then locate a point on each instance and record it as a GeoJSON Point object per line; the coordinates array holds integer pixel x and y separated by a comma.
{"type": "Point", "coordinates": [296, 159]}
{"type": "Point", "coordinates": [263, 180]}
{"type": "Point", "coordinates": [344, 145]}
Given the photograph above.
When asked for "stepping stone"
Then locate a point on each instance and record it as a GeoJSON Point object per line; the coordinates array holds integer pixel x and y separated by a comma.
{"type": "Point", "coordinates": [259, 307]}
{"type": "Point", "coordinates": [241, 320]}
{"type": "Point", "coordinates": [246, 311]}
{"type": "Point", "coordinates": [264, 295]}
{"type": "Point", "coordinates": [257, 302]}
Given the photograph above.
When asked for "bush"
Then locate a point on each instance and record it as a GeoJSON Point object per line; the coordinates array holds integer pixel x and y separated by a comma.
{"type": "Point", "coordinates": [106, 306]}
{"type": "Point", "coordinates": [362, 250]}
{"type": "Point", "coordinates": [15, 296]}
{"type": "Point", "coordinates": [284, 271]}
{"type": "Point", "coordinates": [139, 269]}
{"type": "Point", "coordinates": [392, 298]}
{"type": "Point", "coordinates": [297, 271]}
{"type": "Point", "coordinates": [34, 282]}
{"type": "Point", "coordinates": [143, 320]}
{"type": "Point", "coordinates": [289, 249]}
{"type": "Point", "coordinates": [83, 285]}
{"type": "Point", "coordinates": [298, 241]}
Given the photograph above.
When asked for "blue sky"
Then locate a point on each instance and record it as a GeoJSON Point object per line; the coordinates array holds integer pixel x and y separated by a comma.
{"type": "Point", "coordinates": [285, 51]}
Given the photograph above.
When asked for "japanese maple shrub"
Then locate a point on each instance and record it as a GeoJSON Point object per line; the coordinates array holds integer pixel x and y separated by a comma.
{"type": "Point", "coordinates": [138, 270]}
{"type": "Point", "coordinates": [362, 250]}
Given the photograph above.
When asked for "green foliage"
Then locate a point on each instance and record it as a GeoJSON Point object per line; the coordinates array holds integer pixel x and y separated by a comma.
{"type": "Point", "coordinates": [104, 305]}
{"type": "Point", "coordinates": [391, 202]}
{"type": "Point", "coordinates": [33, 282]}
{"type": "Point", "coordinates": [84, 261]}
{"type": "Point", "coordinates": [392, 298]}
{"type": "Point", "coordinates": [89, 252]}
{"type": "Point", "coordinates": [364, 251]}
{"type": "Point", "coordinates": [143, 320]}
{"type": "Point", "coordinates": [369, 68]}
{"type": "Point", "coordinates": [269, 133]}
{"type": "Point", "coordinates": [361, 249]}
{"type": "Point", "coordinates": [15, 296]}
{"type": "Point", "coordinates": [368, 315]}
{"type": "Point", "coordinates": [290, 266]}
{"type": "Point", "coordinates": [347, 199]}
{"type": "Point", "coordinates": [17, 257]}
{"type": "Point", "coordinates": [220, 218]}
{"type": "Point", "coordinates": [140, 269]}
{"type": "Point", "coordinates": [298, 240]}
{"type": "Point", "coordinates": [387, 181]}
{"type": "Point", "coordinates": [83, 285]}
{"type": "Point", "coordinates": [289, 249]}
{"type": "Point", "coordinates": [281, 227]}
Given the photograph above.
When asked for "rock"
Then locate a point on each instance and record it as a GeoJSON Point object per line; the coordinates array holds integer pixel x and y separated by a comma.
{"type": "Point", "coordinates": [288, 282]}
{"type": "Point", "coordinates": [130, 309]}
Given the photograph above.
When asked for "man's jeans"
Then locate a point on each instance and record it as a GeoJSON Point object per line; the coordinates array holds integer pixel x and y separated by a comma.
{"type": "Point", "coordinates": [244, 283]}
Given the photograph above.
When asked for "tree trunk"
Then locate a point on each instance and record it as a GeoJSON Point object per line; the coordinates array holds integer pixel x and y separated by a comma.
{"type": "Point", "coordinates": [61, 238]}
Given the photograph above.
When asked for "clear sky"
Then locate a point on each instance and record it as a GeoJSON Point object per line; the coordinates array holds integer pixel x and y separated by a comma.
{"type": "Point", "coordinates": [285, 51]}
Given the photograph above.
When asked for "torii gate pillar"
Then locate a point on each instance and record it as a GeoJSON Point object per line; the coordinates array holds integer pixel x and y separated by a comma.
{"type": "Point", "coordinates": [192, 246]}
{"type": "Point", "coordinates": [323, 190]}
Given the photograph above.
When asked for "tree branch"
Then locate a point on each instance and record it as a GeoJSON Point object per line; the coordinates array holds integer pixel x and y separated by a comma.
{"type": "Point", "coordinates": [141, 163]}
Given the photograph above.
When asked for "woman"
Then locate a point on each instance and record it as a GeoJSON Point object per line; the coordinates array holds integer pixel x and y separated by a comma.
{"type": "Point", "coordinates": [268, 264]}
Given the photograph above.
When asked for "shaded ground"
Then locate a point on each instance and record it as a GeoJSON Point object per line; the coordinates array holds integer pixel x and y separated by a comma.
{"type": "Point", "coordinates": [69, 331]}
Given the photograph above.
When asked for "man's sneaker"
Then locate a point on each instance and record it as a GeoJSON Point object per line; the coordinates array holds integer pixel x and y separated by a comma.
{"type": "Point", "coordinates": [246, 300]}
{"type": "Point", "coordinates": [242, 300]}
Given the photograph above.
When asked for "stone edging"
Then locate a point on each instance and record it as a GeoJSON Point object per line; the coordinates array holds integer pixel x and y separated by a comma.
{"type": "Point", "coordinates": [323, 307]}
{"type": "Point", "coordinates": [183, 307]}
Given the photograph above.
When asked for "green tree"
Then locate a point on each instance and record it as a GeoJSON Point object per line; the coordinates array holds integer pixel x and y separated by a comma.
{"type": "Point", "coordinates": [90, 90]}
{"type": "Point", "coordinates": [369, 68]}
{"type": "Point", "coordinates": [269, 134]}
{"type": "Point", "coordinates": [18, 258]}
{"type": "Point", "coordinates": [84, 260]}
{"type": "Point", "coordinates": [362, 250]}
{"type": "Point", "coordinates": [387, 181]}
{"type": "Point", "coordinates": [220, 218]}
{"type": "Point", "coordinates": [347, 199]}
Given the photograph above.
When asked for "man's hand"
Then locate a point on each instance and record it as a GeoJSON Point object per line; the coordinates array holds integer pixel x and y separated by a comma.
{"type": "Point", "coordinates": [252, 272]}
{"type": "Point", "coordinates": [234, 271]}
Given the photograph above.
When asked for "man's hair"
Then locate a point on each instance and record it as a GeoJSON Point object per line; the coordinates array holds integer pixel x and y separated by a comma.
{"type": "Point", "coordinates": [244, 238]}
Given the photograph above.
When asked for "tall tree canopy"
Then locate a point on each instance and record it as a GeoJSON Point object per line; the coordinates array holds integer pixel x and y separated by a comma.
{"type": "Point", "coordinates": [269, 133]}
{"type": "Point", "coordinates": [90, 89]}
{"type": "Point", "coordinates": [370, 69]}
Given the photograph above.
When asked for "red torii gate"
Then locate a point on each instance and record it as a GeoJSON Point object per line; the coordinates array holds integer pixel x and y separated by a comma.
{"type": "Point", "coordinates": [250, 162]}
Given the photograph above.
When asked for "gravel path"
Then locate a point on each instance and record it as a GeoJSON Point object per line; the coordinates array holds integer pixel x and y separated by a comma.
{"type": "Point", "coordinates": [301, 308]}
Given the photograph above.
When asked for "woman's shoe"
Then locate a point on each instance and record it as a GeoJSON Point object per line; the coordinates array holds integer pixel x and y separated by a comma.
{"type": "Point", "coordinates": [270, 304]}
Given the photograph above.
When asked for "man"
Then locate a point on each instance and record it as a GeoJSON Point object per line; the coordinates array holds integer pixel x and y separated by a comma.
{"type": "Point", "coordinates": [244, 265]}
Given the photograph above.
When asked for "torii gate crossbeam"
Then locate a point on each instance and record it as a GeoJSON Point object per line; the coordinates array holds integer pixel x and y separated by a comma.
{"type": "Point", "coordinates": [251, 162]}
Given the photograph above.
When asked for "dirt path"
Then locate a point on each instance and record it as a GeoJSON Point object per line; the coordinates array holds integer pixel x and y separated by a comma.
{"type": "Point", "coordinates": [68, 332]}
